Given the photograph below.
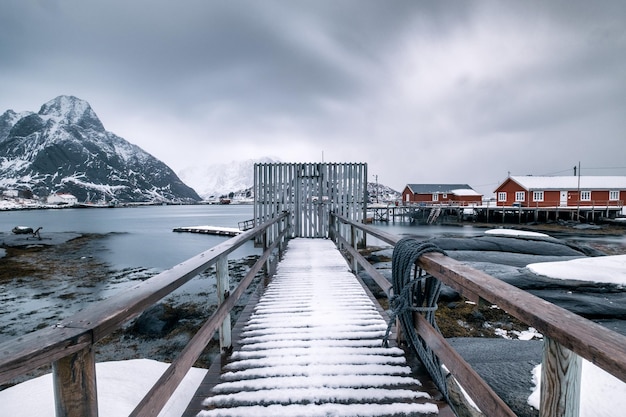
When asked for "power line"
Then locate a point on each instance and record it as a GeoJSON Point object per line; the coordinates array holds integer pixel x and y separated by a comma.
{"type": "Point", "coordinates": [606, 168]}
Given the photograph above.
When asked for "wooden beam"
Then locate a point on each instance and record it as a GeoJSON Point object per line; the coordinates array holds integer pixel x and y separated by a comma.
{"type": "Point", "coordinates": [560, 381]}
{"type": "Point", "coordinates": [39, 348]}
{"type": "Point", "coordinates": [74, 381]}
{"type": "Point", "coordinates": [163, 389]}
{"type": "Point", "coordinates": [223, 290]}
{"type": "Point", "coordinates": [590, 340]}
{"type": "Point", "coordinates": [482, 394]}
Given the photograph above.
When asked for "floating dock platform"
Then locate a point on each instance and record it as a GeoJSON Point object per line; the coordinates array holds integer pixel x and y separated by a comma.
{"type": "Point", "coordinates": [210, 230]}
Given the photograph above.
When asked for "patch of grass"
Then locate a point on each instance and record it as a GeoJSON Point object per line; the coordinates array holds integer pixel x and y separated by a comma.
{"type": "Point", "coordinates": [465, 319]}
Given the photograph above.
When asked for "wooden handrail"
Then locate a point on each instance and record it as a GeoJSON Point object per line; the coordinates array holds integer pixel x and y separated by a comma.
{"type": "Point", "coordinates": [162, 390]}
{"type": "Point", "coordinates": [590, 340]}
{"type": "Point", "coordinates": [75, 336]}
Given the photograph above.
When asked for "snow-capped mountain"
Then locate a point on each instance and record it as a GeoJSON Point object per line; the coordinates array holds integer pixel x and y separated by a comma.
{"type": "Point", "coordinates": [65, 148]}
{"type": "Point", "coordinates": [212, 181]}
{"type": "Point", "coordinates": [379, 193]}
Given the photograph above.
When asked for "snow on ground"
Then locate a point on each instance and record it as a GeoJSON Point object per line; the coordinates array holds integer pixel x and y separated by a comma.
{"type": "Point", "coordinates": [514, 233]}
{"type": "Point", "coordinates": [603, 269]}
{"type": "Point", "coordinates": [601, 393]}
{"type": "Point", "coordinates": [121, 385]}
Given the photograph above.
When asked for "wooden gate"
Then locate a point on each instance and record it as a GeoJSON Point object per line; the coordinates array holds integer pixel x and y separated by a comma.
{"type": "Point", "coordinates": [310, 191]}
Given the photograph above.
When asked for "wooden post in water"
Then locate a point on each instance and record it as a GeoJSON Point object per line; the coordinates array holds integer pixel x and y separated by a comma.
{"type": "Point", "coordinates": [560, 381]}
{"type": "Point", "coordinates": [74, 381]}
{"type": "Point", "coordinates": [223, 291]}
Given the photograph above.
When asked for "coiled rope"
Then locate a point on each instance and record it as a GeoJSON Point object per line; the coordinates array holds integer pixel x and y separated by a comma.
{"type": "Point", "coordinates": [415, 291]}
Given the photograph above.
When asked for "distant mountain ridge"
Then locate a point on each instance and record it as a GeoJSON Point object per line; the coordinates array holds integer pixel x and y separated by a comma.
{"type": "Point", "coordinates": [212, 181]}
{"type": "Point", "coordinates": [65, 148]}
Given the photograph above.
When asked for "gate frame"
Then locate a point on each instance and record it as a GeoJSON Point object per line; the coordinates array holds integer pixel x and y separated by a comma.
{"type": "Point", "coordinates": [310, 192]}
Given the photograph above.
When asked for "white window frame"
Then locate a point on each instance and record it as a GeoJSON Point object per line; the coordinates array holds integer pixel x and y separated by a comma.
{"type": "Point", "coordinates": [538, 196]}
{"type": "Point", "coordinates": [444, 196]}
{"type": "Point", "coordinates": [502, 196]}
{"type": "Point", "coordinates": [435, 196]}
{"type": "Point", "coordinates": [520, 196]}
{"type": "Point", "coordinates": [614, 195]}
{"type": "Point", "coordinates": [585, 196]}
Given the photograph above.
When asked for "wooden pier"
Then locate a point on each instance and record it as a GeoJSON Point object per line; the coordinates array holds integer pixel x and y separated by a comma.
{"type": "Point", "coordinates": [209, 230]}
{"type": "Point", "coordinates": [313, 344]}
{"type": "Point", "coordinates": [438, 213]}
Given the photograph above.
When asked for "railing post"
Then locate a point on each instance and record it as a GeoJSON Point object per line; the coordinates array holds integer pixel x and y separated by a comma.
{"type": "Point", "coordinates": [266, 244]}
{"type": "Point", "coordinates": [353, 243]}
{"type": "Point", "coordinates": [74, 382]}
{"type": "Point", "coordinates": [282, 226]}
{"type": "Point", "coordinates": [223, 292]}
{"type": "Point", "coordinates": [560, 381]}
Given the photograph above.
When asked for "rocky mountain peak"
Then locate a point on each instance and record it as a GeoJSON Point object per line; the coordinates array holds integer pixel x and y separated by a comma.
{"type": "Point", "coordinates": [65, 148]}
{"type": "Point", "coordinates": [72, 110]}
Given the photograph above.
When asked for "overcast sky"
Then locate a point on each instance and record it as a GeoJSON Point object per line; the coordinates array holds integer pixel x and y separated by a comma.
{"type": "Point", "coordinates": [423, 91]}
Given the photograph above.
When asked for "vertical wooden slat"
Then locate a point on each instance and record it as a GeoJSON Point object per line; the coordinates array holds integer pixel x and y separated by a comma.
{"type": "Point", "coordinates": [560, 381]}
{"type": "Point", "coordinates": [297, 201]}
{"type": "Point", "coordinates": [74, 382]}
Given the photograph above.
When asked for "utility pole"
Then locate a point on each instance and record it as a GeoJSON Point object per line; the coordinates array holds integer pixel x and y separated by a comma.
{"type": "Point", "coordinates": [578, 202]}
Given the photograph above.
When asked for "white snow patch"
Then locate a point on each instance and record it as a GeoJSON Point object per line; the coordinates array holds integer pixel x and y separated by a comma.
{"type": "Point", "coordinates": [514, 233]}
{"type": "Point", "coordinates": [601, 394]}
{"type": "Point", "coordinates": [602, 269]}
{"type": "Point", "coordinates": [121, 385]}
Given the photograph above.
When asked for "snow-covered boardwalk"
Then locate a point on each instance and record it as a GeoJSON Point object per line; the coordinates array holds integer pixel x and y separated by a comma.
{"type": "Point", "coordinates": [312, 347]}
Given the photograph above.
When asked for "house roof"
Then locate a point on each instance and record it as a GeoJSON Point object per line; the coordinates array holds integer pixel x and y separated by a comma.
{"type": "Point", "coordinates": [457, 189]}
{"type": "Point", "coordinates": [571, 182]}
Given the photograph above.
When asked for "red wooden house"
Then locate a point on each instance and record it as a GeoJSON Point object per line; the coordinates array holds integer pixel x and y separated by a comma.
{"type": "Point", "coordinates": [447, 194]}
{"type": "Point", "coordinates": [565, 191]}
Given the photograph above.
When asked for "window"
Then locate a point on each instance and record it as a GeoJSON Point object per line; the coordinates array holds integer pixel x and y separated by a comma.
{"type": "Point", "coordinates": [502, 196]}
{"type": "Point", "coordinates": [444, 196]}
{"type": "Point", "coordinates": [520, 196]}
{"type": "Point", "coordinates": [613, 195]}
{"type": "Point", "coordinates": [585, 196]}
{"type": "Point", "coordinates": [435, 197]}
{"type": "Point", "coordinates": [537, 195]}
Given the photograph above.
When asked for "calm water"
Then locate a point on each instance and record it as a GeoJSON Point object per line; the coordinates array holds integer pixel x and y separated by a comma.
{"type": "Point", "coordinates": [139, 236]}
{"type": "Point", "coordinates": [143, 236]}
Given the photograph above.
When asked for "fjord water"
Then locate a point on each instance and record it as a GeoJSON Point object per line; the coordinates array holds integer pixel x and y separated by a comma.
{"type": "Point", "coordinates": [138, 236]}
{"type": "Point", "coordinates": [143, 236]}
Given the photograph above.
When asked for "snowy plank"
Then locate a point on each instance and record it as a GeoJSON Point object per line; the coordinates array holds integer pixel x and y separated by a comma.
{"type": "Point", "coordinates": [313, 346]}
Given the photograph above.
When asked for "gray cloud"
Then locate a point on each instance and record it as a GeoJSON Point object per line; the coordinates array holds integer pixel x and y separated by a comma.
{"type": "Point", "coordinates": [423, 91]}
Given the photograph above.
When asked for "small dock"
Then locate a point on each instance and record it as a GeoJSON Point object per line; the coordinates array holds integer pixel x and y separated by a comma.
{"type": "Point", "coordinates": [210, 230]}
{"type": "Point", "coordinates": [313, 346]}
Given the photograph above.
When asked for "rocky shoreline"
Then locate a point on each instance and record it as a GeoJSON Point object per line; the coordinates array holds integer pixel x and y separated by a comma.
{"type": "Point", "coordinates": [64, 275]}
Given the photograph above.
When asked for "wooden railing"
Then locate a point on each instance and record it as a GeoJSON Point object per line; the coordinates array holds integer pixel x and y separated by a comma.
{"type": "Point", "coordinates": [567, 336]}
{"type": "Point", "coordinates": [69, 345]}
